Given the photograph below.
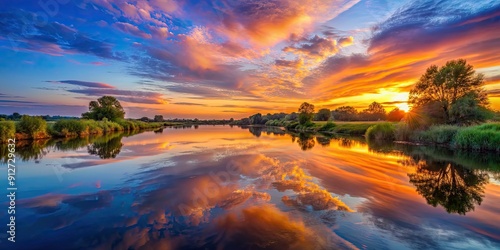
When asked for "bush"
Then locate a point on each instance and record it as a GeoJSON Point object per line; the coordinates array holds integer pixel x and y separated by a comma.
{"type": "Point", "coordinates": [403, 132]}
{"type": "Point", "coordinates": [483, 137]}
{"type": "Point", "coordinates": [352, 128]}
{"type": "Point", "coordinates": [34, 126]}
{"type": "Point", "coordinates": [70, 127]}
{"type": "Point", "coordinates": [441, 134]}
{"type": "Point", "coordinates": [328, 126]}
{"type": "Point", "coordinates": [7, 130]}
{"type": "Point", "coordinates": [381, 131]}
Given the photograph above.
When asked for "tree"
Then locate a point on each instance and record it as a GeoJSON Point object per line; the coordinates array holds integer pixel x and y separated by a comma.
{"type": "Point", "coordinates": [374, 112]}
{"type": "Point", "coordinates": [395, 115]}
{"type": "Point", "coordinates": [158, 118]}
{"type": "Point", "coordinates": [345, 113]}
{"type": "Point", "coordinates": [105, 107]}
{"type": "Point", "coordinates": [144, 119]}
{"type": "Point", "coordinates": [306, 112]}
{"type": "Point", "coordinates": [255, 119]}
{"type": "Point", "coordinates": [323, 115]}
{"type": "Point", "coordinates": [447, 86]}
{"type": "Point", "coordinates": [291, 117]}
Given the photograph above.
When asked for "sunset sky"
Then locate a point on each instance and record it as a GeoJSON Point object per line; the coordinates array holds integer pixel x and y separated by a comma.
{"type": "Point", "coordinates": [223, 59]}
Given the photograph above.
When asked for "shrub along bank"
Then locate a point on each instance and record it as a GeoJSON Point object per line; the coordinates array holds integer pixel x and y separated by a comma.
{"type": "Point", "coordinates": [32, 127]}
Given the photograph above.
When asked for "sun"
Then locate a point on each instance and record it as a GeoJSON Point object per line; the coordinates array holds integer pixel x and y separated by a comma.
{"type": "Point", "coordinates": [403, 106]}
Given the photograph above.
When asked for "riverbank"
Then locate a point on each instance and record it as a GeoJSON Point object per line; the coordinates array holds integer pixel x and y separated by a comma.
{"type": "Point", "coordinates": [35, 128]}
{"type": "Point", "coordinates": [484, 137]}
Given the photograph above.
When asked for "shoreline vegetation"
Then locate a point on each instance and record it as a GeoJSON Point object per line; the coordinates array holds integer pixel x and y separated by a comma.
{"type": "Point", "coordinates": [449, 107]}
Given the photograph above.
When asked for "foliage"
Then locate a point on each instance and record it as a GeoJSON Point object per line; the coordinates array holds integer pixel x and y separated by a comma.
{"type": "Point", "coordinates": [256, 119]}
{"type": "Point", "coordinates": [291, 117]}
{"type": "Point", "coordinates": [380, 131]}
{"type": "Point", "coordinates": [352, 128]}
{"type": "Point", "coordinates": [395, 115]}
{"type": "Point", "coordinates": [306, 111]}
{"type": "Point", "coordinates": [439, 134]}
{"type": "Point", "coordinates": [374, 112]}
{"type": "Point", "coordinates": [482, 137]}
{"type": "Point", "coordinates": [105, 107]}
{"type": "Point", "coordinates": [327, 127]}
{"type": "Point", "coordinates": [158, 118]}
{"type": "Point", "coordinates": [455, 83]}
{"type": "Point", "coordinates": [7, 130]}
{"type": "Point", "coordinates": [345, 113]}
{"type": "Point", "coordinates": [467, 110]}
{"type": "Point", "coordinates": [403, 132]}
{"type": "Point", "coordinates": [323, 115]}
{"type": "Point", "coordinates": [34, 126]}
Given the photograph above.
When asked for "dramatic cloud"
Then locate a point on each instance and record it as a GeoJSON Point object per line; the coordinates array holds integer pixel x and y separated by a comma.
{"type": "Point", "coordinates": [85, 84]}
{"type": "Point", "coordinates": [131, 29]}
{"type": "Point", "coordinates": [415, 37]}
{"type": "Point", "coordinates": [52, 38]}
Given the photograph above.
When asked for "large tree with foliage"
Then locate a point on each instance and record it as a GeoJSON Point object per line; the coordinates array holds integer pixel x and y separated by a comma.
{"type": "Point", "coordinates": [323, 115]}
{"type": "Point", "coordinates": [374, 112]}
{"type": "Point", "coordinates": [306, 113]}
{"type": "Point", "coordinates": [456, 89]}
{"type": "Point", "coordinates": [105, 107]}
{"type": "Point", "coordinates": [395, 115]}
{"type": "Point", "coordinates": [345, 113]}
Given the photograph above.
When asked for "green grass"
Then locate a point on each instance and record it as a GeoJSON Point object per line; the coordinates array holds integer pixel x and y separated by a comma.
{"type": "Point", "coordinates": [7, 130]}
{"type": "Point", "coordinates": [380, 131]}
{"type": "Point", "coordinates": [441, 134]}
{"type": "Point", "coordinates": [33, 126]}
{"type": "Point", "coordinates": [482, 137]}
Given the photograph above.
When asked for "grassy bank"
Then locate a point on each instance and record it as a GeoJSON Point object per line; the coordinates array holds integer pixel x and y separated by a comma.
{"type": "Point", "coordinates": [350, 128]}
{"type": "Point", "coordinates": [479, 137]}
{"type": "Point", "coordinates": [30, 127]}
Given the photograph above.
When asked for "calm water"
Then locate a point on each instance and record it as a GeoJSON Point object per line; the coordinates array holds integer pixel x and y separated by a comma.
{"type": "Point", "coordinates": [218, 187]}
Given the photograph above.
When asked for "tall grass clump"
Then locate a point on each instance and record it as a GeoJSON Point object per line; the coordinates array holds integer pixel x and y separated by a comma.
{"type": "Point", "coordinates": [482, 137]}
{"type": "Point", "coordinates": [352, 128]}
{"type": "Point", "coordinates": [34, 126]}
{"type": "Point", "coordinates": [438, 134]}
{"type": "Point", "coordinates": [7, 130]}
{"type": "Point", "coordinates": [403, 132]}
{"type": "Point", "coordinates": [381, 131]}
{"type": "Point", "coordinates": [70, 127]}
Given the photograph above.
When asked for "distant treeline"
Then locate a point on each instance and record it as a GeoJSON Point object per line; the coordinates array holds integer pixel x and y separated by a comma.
{"type": "Point", "coordinates": [374, 112]}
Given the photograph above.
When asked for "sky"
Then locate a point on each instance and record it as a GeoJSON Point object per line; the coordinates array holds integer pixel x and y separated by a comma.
{"type": "Point", "coordinates": [230, 59]}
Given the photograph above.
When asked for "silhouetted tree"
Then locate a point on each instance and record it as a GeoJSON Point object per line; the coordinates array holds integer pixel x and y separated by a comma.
{"type": "Point", "coordinates": [455, 83]}
{"type": "Point", "coordinates": [158, 118]}
{"type": "Point", "coordinates": [306, 112]}
{"type": "Point", "coordinates": [395, 115]}
{"type": "Point", "coordinates": [345, 113]}
{"type": "Point", "coordinates": [374, 112]}
{"type": "Point", "coordinates": [323, 115]}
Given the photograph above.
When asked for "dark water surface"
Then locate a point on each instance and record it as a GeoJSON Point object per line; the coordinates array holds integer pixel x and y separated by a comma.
{"type": "Point", "coordinates": [217, 187]}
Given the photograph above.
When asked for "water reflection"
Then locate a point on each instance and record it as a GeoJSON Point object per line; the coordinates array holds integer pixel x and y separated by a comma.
{"type": "Point", "coordinates": [221, 188]}
{"type": "Point", "coordinates": [106, 147]}
{"type": "Point", "coordinates": [452, 186]}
